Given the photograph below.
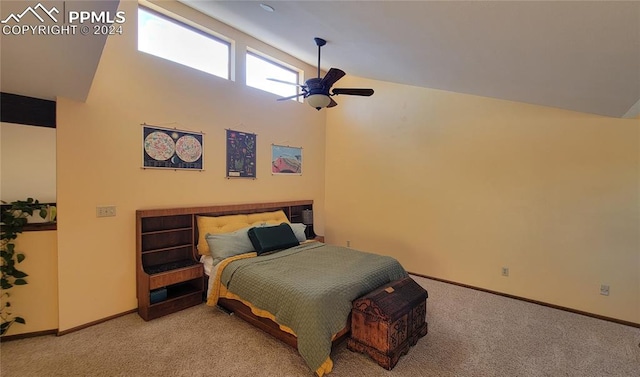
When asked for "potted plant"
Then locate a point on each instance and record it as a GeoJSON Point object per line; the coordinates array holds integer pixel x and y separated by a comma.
{"type": "Point", "coordinates": [14, 218]}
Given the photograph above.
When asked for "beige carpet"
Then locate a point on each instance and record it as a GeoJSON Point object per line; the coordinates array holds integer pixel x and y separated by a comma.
{"type": "Point", "coordinates": [471, 333]}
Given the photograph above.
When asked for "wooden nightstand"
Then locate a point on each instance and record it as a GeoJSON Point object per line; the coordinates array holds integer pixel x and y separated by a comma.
{"type": "Point", "coordinates": [168, 277]}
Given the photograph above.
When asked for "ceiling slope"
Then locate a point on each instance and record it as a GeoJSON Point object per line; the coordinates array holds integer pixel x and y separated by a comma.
{"type": "Point", "coordinates": [46, 65]}
{"type": "Point", "coordinates": [577, 55]}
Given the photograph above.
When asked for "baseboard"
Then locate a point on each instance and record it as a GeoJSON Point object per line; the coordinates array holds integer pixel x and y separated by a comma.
{"type": "Point", "coordinates": [7, 338]}
{"type": "Point", "coordinates": [74, 329]}
{"type": "Point", "coordinates": [593, 315]}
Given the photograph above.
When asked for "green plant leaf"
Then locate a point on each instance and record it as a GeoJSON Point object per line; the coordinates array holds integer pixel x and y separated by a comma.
{"type": "Point", "coordinates": [4, 327]}
{"type": "Point", "coordinates": [19, 274]}
{"type": "Point", "coordinates": [13, 219]}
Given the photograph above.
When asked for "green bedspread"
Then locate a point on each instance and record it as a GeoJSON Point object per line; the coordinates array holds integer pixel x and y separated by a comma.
{"type": "Point", "coordinates": [309, 288]}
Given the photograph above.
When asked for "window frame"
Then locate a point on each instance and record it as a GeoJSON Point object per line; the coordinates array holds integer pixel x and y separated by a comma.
{"type": "Point", "coordinates": [197, 29]}
{"type": "Point", "coordinates": [271, 60]}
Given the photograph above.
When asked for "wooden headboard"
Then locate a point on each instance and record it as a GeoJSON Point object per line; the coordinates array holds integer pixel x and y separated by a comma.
{"type": "Point", "coordinates": [166, 254]}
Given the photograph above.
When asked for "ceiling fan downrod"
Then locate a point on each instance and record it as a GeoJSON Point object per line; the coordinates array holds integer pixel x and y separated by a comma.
{"type": "Point", "coordinates": [319, 42]}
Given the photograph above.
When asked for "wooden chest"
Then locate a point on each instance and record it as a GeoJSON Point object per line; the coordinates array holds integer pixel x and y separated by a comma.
{"type": "Point", "coordinates": [389, 320]}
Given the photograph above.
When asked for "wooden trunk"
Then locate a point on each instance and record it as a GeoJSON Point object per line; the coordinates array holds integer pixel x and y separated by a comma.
{"type": "Point", "coordinates": [389, 320]}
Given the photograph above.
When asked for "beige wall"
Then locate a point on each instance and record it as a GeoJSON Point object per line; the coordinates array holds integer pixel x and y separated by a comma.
{"type": "Point", "coordinates": [27, 162]}
{"type": "Point", "coordinates": [28, 169]}
{"type": "Point", "coordinates": [99, 160]}
{"type": "Point", "coordinates": [454, 186]}
{"type": "Point", "coordinates": [36, 302]}
{"type": "Point", "coordinates": [457, 186]}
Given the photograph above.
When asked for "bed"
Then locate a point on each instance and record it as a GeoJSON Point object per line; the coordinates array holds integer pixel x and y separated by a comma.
{"type": "Point", "coordinates": [301, 293]}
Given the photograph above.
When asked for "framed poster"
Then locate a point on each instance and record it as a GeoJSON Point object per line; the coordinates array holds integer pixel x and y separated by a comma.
{"type": "Point", "coordinates": [286, 160]}
{"type": "Point", "coordinates": [241, 154]}
{"type": "Point", "coordinates": [166, 148]}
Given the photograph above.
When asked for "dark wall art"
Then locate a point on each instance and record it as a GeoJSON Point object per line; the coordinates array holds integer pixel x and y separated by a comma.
{"type": "Point", "coordinates": [166, 148]}
{"type": "Point", "coordinates": [241, 154]}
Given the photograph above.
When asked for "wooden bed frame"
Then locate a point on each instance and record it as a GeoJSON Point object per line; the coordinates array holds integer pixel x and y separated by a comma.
{"type": "Point", "coordinates": [270, 327]}
{"type": "Point", "coordinates": [293, 210]}
{"type": "Point", "coordinates": [167, 236]}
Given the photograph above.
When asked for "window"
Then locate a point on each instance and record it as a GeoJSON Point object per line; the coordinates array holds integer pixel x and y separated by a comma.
{"type": "Point", "coordinates": [260, 69]}
{"type": "Point", "coordinates": [169, 39]}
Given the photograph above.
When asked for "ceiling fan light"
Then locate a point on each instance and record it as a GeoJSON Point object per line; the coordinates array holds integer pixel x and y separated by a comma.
{"type": "Point", "coordinates": [318, 101]}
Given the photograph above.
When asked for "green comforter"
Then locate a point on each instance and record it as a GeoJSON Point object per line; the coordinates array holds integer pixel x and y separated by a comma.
{"type": "Point", "coordinates": [309, 288]}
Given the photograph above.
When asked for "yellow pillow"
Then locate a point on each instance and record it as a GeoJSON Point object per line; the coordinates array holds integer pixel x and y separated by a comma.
{"type": "Point", "coordinates": [231, 223]}
{"type": "Point", "coordinates": [276, 217]}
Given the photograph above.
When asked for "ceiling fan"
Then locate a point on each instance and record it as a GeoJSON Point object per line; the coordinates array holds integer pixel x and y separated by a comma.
{"type": "Point", "coordinates": [317, 90]}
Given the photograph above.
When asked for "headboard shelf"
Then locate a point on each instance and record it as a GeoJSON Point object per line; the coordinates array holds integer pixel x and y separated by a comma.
{"type": "Point", "coordinates": [181, 246]}
{"type": "Point", "coordinates": [225, 209]}
{"type": "Point", "coordinates": [153, 224]}
{"type": "Point", "coordinates": [168, 236]}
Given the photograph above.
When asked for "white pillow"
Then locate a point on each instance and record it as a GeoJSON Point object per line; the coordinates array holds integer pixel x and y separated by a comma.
{"type": "Point", "coordinates": [298, 230]}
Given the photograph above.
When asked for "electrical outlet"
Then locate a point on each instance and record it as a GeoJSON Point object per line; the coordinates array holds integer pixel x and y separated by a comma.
{"type": "Point", "coordinates": [604, 290]}
{"type": "Point", "coordinates": [505, 271]}
{"type": "Point", "coordinates": [105, 211]}
{"type": "Point", "coordinates": [348, 243]}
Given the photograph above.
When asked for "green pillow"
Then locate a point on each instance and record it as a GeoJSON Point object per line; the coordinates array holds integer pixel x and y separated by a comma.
{"type": "Point", "coordinates": [270, 238]}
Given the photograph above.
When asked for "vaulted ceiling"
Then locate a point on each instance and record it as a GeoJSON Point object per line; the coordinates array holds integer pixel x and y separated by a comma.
{"type": "Point", "coordinates": [576, 55]}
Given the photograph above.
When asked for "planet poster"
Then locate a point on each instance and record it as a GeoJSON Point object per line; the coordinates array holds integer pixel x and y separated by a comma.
{"type": "Point", "coordinates": [166, 148]}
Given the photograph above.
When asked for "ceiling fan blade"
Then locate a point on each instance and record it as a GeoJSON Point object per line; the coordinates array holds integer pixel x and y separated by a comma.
{"type": "Point", "coordinates": [332, 103]}
{"type": "Point", "coordinates": [353, 91]}
{"type": "Point", "coordinates": [331, 77]}
{"type": "Point", "coordinates": [284, 82]}
{"type": "Point", "coordinates": [291, 97]}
